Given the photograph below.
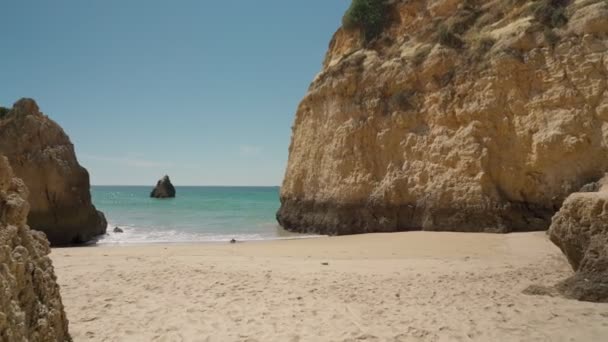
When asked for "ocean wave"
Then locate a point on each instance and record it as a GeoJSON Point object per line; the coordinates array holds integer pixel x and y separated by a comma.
{"type": "Point", "coordinates": [142, 235]}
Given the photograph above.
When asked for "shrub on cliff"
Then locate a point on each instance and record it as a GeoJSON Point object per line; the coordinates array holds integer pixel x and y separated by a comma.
{"type": "Point", "coordinates": [550, 37]}
{"type": "Point", "coordinates": [368, 15]}
{"type": "Point", "coordinates": [3, 112]}
{"type": "Point", "coordinates": [551, 13]}
{"type": "Point", "coordinates": [403, 100]}
{"type": "Point", "coordinates": [449, 39]}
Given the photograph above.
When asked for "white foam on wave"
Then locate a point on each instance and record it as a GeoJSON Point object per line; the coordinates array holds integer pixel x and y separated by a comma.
{"type": "Point", "coordinates": [140, 235]}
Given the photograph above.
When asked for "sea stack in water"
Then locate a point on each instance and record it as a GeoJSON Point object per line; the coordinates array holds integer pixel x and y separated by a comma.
{"type": "Point", "coordinates": [580, 230]}
{"type": "Point", "coordinates": [43, 156]}
{"type": "Point", "coordinates": [163, 189]}
{"type": "Point", "coordinates": [453, 115]}
{"type": "Point", "coordinates": [30, 303]}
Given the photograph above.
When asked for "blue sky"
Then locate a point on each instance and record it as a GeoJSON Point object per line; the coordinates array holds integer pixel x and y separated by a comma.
{"type": "Point", "coordinates": [205, 91]}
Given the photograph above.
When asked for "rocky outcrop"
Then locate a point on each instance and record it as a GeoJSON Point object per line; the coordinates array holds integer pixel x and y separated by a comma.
{"type": "Point", "coordinates": [580, 230]}
{"type": "Point", "coordinates": [460, 115]}
{"type": "Point", "coordinates": [163, 189]}
{"type": "Point", "coordinates": [42, 155]}
{"type": "Point", "coordinates": [30, 303]}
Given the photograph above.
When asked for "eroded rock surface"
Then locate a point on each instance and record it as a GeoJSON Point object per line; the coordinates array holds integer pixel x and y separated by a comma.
{"type": "Point", "coordinates": [461, 115]}
{"type": "Point", "coordinates": [30, 303]}
{"type": "Point", "coordinates": [580, 230]}
{"type": "Point", "coordinates": [163, 189]}
{"type": "Point", "coordinates": [43, 156]}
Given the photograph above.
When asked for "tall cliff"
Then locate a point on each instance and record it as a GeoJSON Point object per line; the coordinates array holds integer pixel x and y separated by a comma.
{"type": "Point", "coordinates": [458, 115]}
{"type": "Point", "coordinates": [30, 303]}
{"type": "Point", "coordinates": [42, 155]}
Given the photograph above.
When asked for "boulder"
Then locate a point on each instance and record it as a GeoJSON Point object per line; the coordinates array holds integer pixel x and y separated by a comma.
{"type": "Point", "coordinates": [118, 230]}
{"type": "Point", "coordinates": [43, 156]}
{"type": "Point", "coordinates": [30, 303]}
{"type": "Point", "coordinates": [580, 230]}
{"type": "Point", "coordinates": [163, 189]}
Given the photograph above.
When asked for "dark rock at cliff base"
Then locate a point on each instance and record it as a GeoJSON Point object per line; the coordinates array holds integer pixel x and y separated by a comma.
{"type": "Point", "coordinates": [30, 303]}
{"type": "Point", "coordinates": [342, 219]}
{"type": "Point", "coordinates": [580, 230]}
{"type": "Point", "coordinates": [163, 189]}
{"type": "Point", "coordinates": [43, 156]}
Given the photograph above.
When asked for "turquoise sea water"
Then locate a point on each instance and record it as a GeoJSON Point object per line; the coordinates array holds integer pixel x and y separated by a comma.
{"type": "Point", "coordinates": [197, 214]}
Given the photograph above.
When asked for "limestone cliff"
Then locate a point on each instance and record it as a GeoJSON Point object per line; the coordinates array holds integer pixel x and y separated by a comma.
{"type": "Point", "coordinates": [30, 303]}
{"type": "Point", "coordinates": [459, 115]}
{"type": "Point", "coordinates": [42, 155]}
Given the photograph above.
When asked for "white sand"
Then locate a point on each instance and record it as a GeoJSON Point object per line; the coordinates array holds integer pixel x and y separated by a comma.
{"type": "Point", "coordinates": [383, 287]}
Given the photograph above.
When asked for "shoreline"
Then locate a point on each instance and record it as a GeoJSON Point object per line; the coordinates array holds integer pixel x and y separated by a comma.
{"type": "Point", "coordinates": [412, 286]}
{"type": "Point", "coordinates": [400, 245]}
{"type": "Point", "coordinates": [290, 238]}
{"type": "Point", "coordinates": [135, 244]}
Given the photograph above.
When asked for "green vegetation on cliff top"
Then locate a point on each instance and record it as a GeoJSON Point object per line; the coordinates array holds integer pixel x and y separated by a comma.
{"type": "Point", "coordinates": [368, 15]}
{"type": "Point", "coordinates": [3, 112]}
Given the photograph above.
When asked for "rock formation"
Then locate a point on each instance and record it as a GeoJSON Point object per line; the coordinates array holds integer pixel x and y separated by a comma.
{"type": "Point", "coordinates": [163, 189]}
{"type": "Point", "coordinates": [460, 115]}
{"type": "Point", "coordinates": [42, 155]}
{"type": "Point", "coordinates": [580, 230]}
{"type": "Point", "coordinates": [30, 303]}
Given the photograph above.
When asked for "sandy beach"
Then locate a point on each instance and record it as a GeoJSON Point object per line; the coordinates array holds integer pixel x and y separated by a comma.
{"type": "Point", "coordinates": [415, 286]}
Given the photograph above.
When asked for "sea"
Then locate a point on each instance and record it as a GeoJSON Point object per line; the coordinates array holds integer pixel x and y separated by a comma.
{"type": "Point", "coordinates": [197, 214]}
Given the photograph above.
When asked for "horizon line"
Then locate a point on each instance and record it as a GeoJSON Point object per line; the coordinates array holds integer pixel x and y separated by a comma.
{"type": "Point", "coordinates": [196, 185]}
